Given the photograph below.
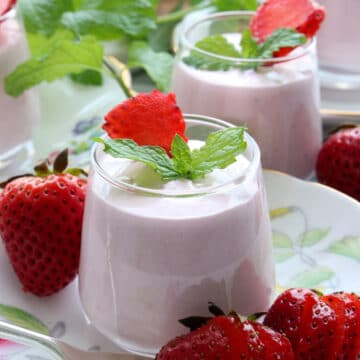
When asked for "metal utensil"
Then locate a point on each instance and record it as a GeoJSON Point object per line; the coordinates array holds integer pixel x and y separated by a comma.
{"type": "Point", "coordinates": [59, 350]}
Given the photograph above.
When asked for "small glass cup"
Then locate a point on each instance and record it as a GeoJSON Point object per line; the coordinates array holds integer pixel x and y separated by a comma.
{"type": "Point", "coordinates": [18, 116]}
{"type": "Point", "coordinates": [151, 255]}
{"type": "Point", "coordinates": [279, 103]}
{"type": "Point", "coordinates": [339, 45]}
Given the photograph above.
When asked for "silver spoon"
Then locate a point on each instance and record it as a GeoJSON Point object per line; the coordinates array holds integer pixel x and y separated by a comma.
{"type": "Point", "coordinates": [59, 350]}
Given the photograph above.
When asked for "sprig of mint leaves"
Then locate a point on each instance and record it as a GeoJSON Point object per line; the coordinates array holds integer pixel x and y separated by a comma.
{"type": "Point", "coordinates": [250, 49]}
{"type": "Point", "coordinates": [66, 38]}
{"type": "Point", "coordinates": [219, 151]}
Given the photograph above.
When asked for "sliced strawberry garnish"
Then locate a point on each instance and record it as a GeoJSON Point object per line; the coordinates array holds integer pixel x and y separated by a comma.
{"type": "Point", "coordinates": [6, 5]}
{"type": "Point", "coordinates": [304, 16]}
{"type": "Point", "coordinates": [148, 119]}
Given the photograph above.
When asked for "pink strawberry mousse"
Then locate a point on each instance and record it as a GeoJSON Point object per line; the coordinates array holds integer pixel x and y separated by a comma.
{"type": "Point", "coordinates": [155, 252]}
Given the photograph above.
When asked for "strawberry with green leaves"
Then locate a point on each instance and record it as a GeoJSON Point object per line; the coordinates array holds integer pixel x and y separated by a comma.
{"type": "Point", "coordinates": [40, 224]}
{"type": "Point", "coordinates": [227, 337]}
{"type": "Point", "coordinates": [150, 128]}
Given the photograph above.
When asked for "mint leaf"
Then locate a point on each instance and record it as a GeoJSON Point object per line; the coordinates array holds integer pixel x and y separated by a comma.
{"type": "Point", "coordinates": [153, 156]}
{"type": "Point", "coordinates": [41, 45]}
{"type": "Point", "coordinates": [219, 151]}
{"type": "Point", "coordinates": [110, 19]}
{"type": "Point", "coordinates": [65, 57]}
{"type": "Point", "coordinates": [43, 16]}
{"type": "Point", "coordinates": [216, 45]}
{"type": "Point", "coordinates": [227, 5]}
{"type": "Point", "coordinates": [88, 77]}
{"type": "Point", "coordinates": [157, 65]}
{"type": "Point", "coordinates": [280, 38]}
{"type": "Point", "coordinates": [181, 154]}
{"type": "Point", "coordinates": [250, 50]}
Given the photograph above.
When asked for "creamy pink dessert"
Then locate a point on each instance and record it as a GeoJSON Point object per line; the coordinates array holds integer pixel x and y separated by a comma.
{"type": "Point", "coordinates": [155, 252]}
{"type": "Point", "coordinates": [18, 115]}
{"type": "Point", "coordinates": [278, 102]}
{"type": "Point", "coordinates": [279, 105]}
{"type": "Point", "coordinates": [338, 39]}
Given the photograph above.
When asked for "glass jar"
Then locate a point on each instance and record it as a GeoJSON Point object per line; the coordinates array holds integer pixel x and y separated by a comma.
{"type": "Point", "coordinates": [18, 115]}
{"type": "Point", "coordinates": [339, 45]}
{"type": "Point", "coordinates": [157, 252]}
{"type": "Point", "coordinates": [279, 102]}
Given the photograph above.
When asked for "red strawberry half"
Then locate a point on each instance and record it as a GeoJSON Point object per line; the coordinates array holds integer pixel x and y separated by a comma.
{"type": "Point", "coordinates": [338, 162]}
{"type": "Point", "coordinates": [304, 16]}
{"type": "Point", "coordinates": [148, 119]}
{"type": "Point", "coordinates": [40, 224]}
{"type": "Point", "coordinates": [6, 5]}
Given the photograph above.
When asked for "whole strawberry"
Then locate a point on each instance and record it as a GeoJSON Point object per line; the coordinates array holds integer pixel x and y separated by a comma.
{"type": "Point", "coordinates": [338, 162]}
{"type": "Point", "coordinates": [228, 338]}
{"type": "Point", "coordinates": [40, 224]}
{"type": "Point", "coordinates": [319, 327]}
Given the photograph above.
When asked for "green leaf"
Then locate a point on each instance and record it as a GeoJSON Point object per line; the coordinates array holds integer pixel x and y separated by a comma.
{"type": "Point", "coordinates": [216, 45]}
{"type": "Point", "coordinates": [312, 237]}
{"type": "Point", "coordinates": [43, 16]}
{"type": "Point", "coordinates": [280, 38]}
{"type": "Point", "coordinates": [250, 50]}
{"type": "Point", "coordinates": [228, 5]}
{"type": "Point", "coordinates": [153, 156]}
{"type": "Point", "coordinates": [157, 65]}
{"type": "Point", "coordinates": [88, 77]}
{"type": "Point", "coordinates": [41, 45]}
{"type": "Point", "coordinates": [282, 255]}
{"type": "Point", "coordinates": [312, 278]}
{"type": "Point", "coordinates": [181, 154]}
{"type": "Point", "coordinates": [112, 19]}
{"type": "Point", "coordinates": [348, 246]}
{"type": "Point", "coordinates": [219, 151]}
{"type": "Point", "coordinates": [23, 319]}
{"type": "Point", "coordinates": [160, 38]}
{"type": "Point", "coordinates": [65, 57]}
{"type": "Point", "coordinates": [281, 240]}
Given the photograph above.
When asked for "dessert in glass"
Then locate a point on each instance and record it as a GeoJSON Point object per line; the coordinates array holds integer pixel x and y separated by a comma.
{"type": "Point", "coordinates": [154, 252]}
{"type": "Point", "coordinates": [18, 115]}
{"type": "Point", "coordinates": [278, 102]}
{"type": "Point", "coordinates": [339, 45]}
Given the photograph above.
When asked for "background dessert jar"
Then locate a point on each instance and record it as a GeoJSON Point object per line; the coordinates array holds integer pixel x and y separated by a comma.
{"type": "Point", "coordinates": [18, 116]}
{"type": "Point", "coordinates": [155, 252]}
{"type": "Point", "coordinates": [278, 102]}
{"type": "Point", "coordinates": [339, 45]}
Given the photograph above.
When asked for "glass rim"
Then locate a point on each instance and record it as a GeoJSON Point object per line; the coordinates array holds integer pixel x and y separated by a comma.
{"type": "Point", "coordinates": [226, 14]}
{"type": "Point", "coordinates": [8, 15]}
{"type": "Point", "coordinates": [232, 183]}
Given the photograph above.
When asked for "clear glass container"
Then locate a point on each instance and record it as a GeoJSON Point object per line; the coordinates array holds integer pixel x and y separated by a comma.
{"type": "Point", "coordinates": [155, 252]}
{"type": "Point", "coordinates": [339, 45]}
{"type": "Point", "coordinates": [18, 116]}
{"type": "Point", "coordinates": [279, 103]}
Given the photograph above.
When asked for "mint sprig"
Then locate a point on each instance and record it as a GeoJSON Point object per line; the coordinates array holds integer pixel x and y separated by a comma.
{"type": "Point", "coordinates": [219, 151]}
{"type": "Point", "coordinates": [250, 49]}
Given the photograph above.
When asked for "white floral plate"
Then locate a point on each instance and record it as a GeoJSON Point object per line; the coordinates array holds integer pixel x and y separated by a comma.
{"type": "Point", "coordinates": [316, 244]}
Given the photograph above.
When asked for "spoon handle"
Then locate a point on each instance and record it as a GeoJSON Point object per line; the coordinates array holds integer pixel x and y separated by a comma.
{"type": "Point", "coordinates": [30, 338]}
